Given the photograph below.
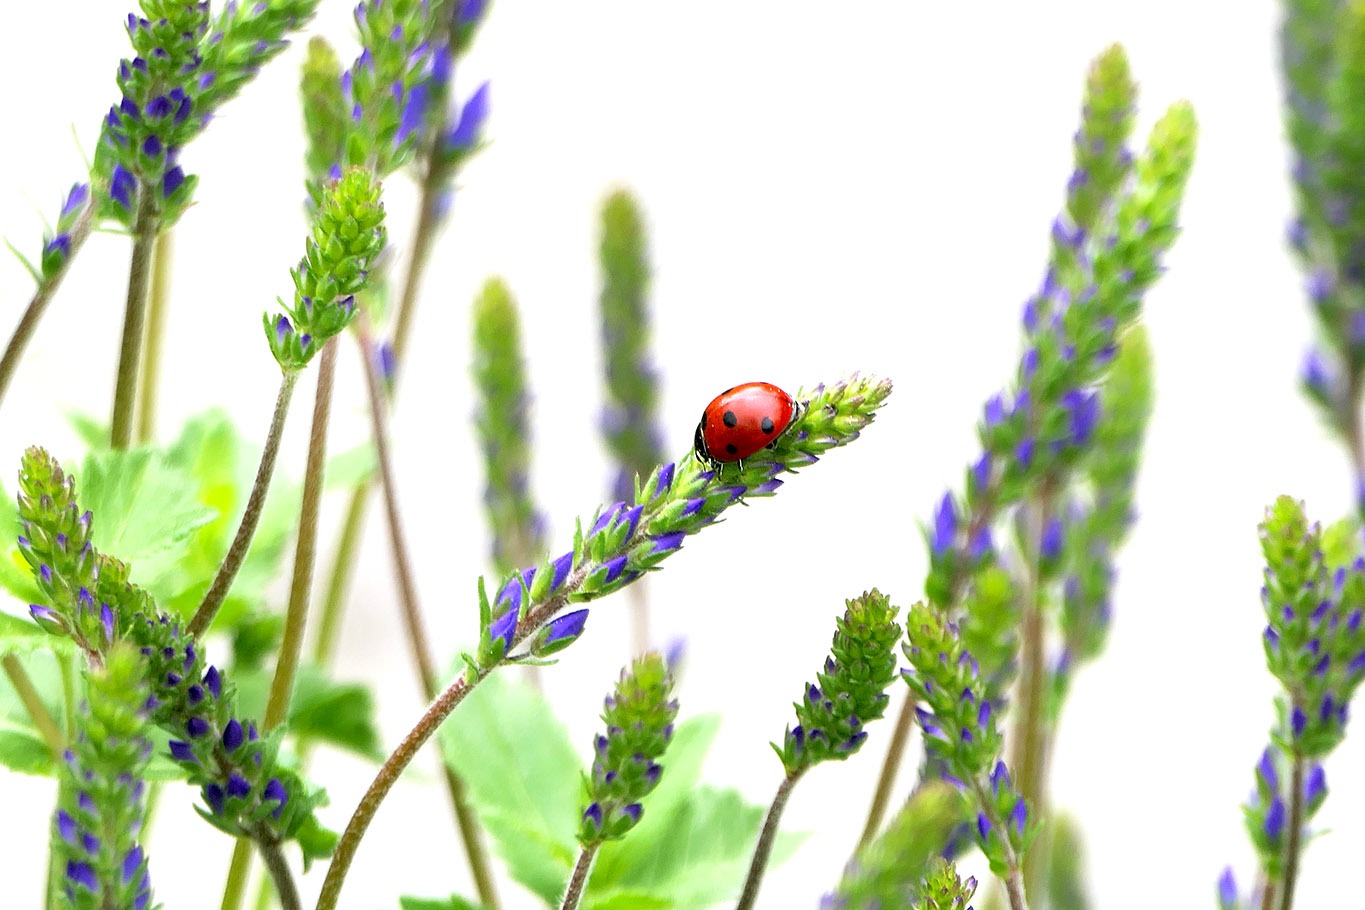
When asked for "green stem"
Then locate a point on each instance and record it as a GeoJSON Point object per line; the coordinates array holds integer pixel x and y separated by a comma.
{"type": "Point", "coordinates": [280, 874]}
{"type": "Point", "coordinates": [1269, 895]}
{"type": "Point", "coordinates": [37, 305]}
{"type": "Point", "coordinates": [236, 553]}
{"type": "Point", "coordinates": [881, 798]}
{"type": "Point", "coordinates": [156, 328]}
{"type": "Point", "coordinates": [338, 579]}
{"type": "Point", "coordinates": [305, 549]}
{"type": "Point", "coordinates": [383, 782]}
{"type": "Point", "coordinates": [418, 643]}
{"type": "Point", "coordinates": [578, 881]}
{"type": "Point", "coordinates": [767, 836]}
{"type": "Point", "coordinates": [1014, 877]}
{"type": "Point", "coordinates": [234, 889]}
{"type": "Point", "coordinates": [1293, 845]}
{"type": "Point", "coordinates": [134, 316]}
{"type": "Point", "coordinates": [33, 704]}
{"type": "Point", "coordinates": [1029, 736]}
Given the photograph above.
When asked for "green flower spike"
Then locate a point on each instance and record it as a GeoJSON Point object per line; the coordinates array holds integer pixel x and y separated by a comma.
{"type": "Point", "coordinates": [247, 792]}
{"type": "Point", "coordinates": [892, 870]}
{"type": "Point", "coordinates": [630, 422]}
{"type": "Point", "coordinates": [960, 730]}
{"type": "Point", "coordinates": [346, 238]}
{"type": "Point", "coordinates": [500, 379]}
{"type": "Point", "coordinates": [102, 804]}
{"type": "Point", "coordinates": [626, 540]}
{"type": "Point", "coordinates": [851, 692]}
{"type": "Point", "coordinates": [852, 689]}
{"type": "Point", "coordinates": [639, 717]}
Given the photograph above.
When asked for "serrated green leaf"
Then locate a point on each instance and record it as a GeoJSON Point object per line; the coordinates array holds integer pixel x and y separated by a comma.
{"type": "Point", "coordinates": [20, 636]}
{"type": "Point", "coordinates": [92, 431]}
{"type": "Point", "coordinates": [145, 509]}
{"type": "Point", "coordinates": [24, 751]}
{"type": "Point", "coordinates": [706, 855]}
{"type": "Point", "coordinates": [524, 779]}
{"type": "Point", "coordinates": [454, 902]}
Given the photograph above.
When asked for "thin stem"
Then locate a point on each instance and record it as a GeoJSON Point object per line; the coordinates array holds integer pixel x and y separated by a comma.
{"type": "Point", "coordinates": [418, 643]}
{"type": "Point", "coordinates": [280, 874]}
{"type": "Point", "coordinates": [1268, 895]}
{"type": "Point", "coordinates": [251, 516]}
{"type": "Point", "coordinates": [134, 316]}
{"type": "Point", "coordinates": [37, 305]}
{"type": "Point", "coordinates": [234, 889]}
{"type": "Point", "coordinates": [156, 328]}
{"type": "Point", "coordinates": [305, 549]}
{"type": "Point", "coordinates": [1294, 842]}
{"type": "Point", "coordinates": [882, 797]}
{"type": "Point", "coordinates": [33, 704]}
{"type": "Point", "coordinates": [1014, 878]}
{"type": "Point", "coordinates": [1355, 437]}
{"type": "Point", "coordinates": [1029, 736]}
{"type": "Point", "coordinates": [383, 782]}
{"type": "Point", "coordinates": [236, 553]}
{"type": "Point", "coordinates": [338, 579]}
{"type": "Point", "coordinates": [578, 882]}
{"type": "Point", "coordinates": [638, 598]}
{"type": "Point", "coordinates": [767, 836]}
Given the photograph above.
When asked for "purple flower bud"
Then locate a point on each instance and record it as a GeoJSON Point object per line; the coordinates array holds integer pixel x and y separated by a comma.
{"type": "Point", "coordinates": [66, 827]}
{"type": "Point", "coordinates": [283, 328]}
{"type": "Point", "coordinates": [107, 621]}
{"type": "Point", "coordinates": [182, 751]}
{"type": "Point", "coordinates": [131, 863]}
{"type": "Point", "coordinates": [1321, 286]}
{"type": "Point", "coordinates": [1297, 235]}
{"type": "Point", "coordinates": [197, 727]}
{"type": "Point", "coordinates": [593, 815]}
{"type": "Point", "coordinates": [1066, 235]}
{"type": "Point", "coordinates": [470, 125]}
{"type": "Point", "coordinates": [632, 812]}
{"type": "Point", "coordinates": [213, 795]}
{"type": "Point", "coordinates": [414, 111]}
{"type": "Point", "coordinates": [1084, 410]}
{"type": "Point", "coordinates": [42, 613]}
{"type": "Point", "coordinates": [1019, 816]}
{"type": "Point", "coordinates": [1023, 453]}
{"type": "Point", "coordinates": [80, 192]}
{"type": "Point", "coordinates": [1050, 545]}
{"type": "Point", "coordinates": [665, 481]}
{"type": "Point", "coordinates": [1227, 890]}
{"type": "Point", "coordinates": [1314, 374]}
{"type": "Point", "coordinates": [631, 518]}
{"type": "Point", "coordinates": [503, 629]}
{"type": "Point", "coordinates": [233, 735]}
{"type": "Point", "coordinates": [566, 628]}
{"type": "Point", "coordinates": [214, 682]}
{"type": "Point", "coordinates": [983, 825]}
{"type": "Point", "coordinates": [238, 786]}
{"type": "Point", "coordinates": [605, 519]}
{"type": "Point", "coordinates": [614, 568]}
{"type": "Point", "coordinates": [942, 537]}
{"type": "Point", "coordinates": [692, 507]}
{"type": "Point", "coordinates": [667, 543]}
{"type": "Point", "coordinates": [1274, 819]}
{"type": "Point", "coordinates": [1029, 364]}
{"type": "Point", "coordinates": [1297, 721]}
{"type": "Point", "coordinates": [1265, 772]}
{"type": "Point", "coordinates": [471, 11]}
{"type": "Point", "coordinates": [1315, 786]}
{"type": "Point", "coordinates": [82, 874]}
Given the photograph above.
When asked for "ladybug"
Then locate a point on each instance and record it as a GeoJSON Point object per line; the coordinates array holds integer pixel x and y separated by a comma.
{"type": "Point", "coordinates": [742, 421]}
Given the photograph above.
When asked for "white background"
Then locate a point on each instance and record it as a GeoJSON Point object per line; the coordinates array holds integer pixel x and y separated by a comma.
{"type": "Point", "coordinates": [830, 187]}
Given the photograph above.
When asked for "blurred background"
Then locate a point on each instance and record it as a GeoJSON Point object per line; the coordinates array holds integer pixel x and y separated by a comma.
{"type": "Point", "coordinates": [829, 188]}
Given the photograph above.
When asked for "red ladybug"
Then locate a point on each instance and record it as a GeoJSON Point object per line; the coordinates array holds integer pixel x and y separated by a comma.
{"type": "Point", "coordinates": [743, 420]}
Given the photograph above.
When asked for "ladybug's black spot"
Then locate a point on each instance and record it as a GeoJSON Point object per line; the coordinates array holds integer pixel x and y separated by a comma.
{"type": "Point", "coordinates": [729, 419]}
{"type": "Point", "coordinates": [730, 447]}
{"type": "Point", "coordinates": [767, 425]}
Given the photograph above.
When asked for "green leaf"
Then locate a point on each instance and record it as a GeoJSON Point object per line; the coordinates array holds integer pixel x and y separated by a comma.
{"type": "Point", "coordinates": [524, 779]}
{"type": "Point", "coordinates": [24, 751]}
{"type": "Point", "coordinates": [454, 902]}
{"type": "Point", "coordinates": [626, 900]}
{"type": "Point", "coordinates": [92, 431]}
{"type": "Point", "coordinates": [704, 856]}
{"type": "Point", "coordinates": [145, 510]}
{"type": "Point", "coordinates": [22, 748]}
{"type": "Point", "coordinates": [21, 636]}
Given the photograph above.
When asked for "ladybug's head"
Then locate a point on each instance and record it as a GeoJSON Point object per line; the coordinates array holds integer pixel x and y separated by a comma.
{"type": "Point", "coordinates": [699, 442]}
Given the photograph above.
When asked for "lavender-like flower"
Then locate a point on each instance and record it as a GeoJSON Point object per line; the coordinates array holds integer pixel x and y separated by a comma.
{"type": "Point", "coordinates": [628, 539]}
{"type": "Point", "coordinates": [518, 528]}
{"type": "Point", "coordinates": [1315, 646]}
{"type": "Point", "coordinates": [630, 422]}
{"type": "Point", "coordinates": [99, 819]}
{"type": "Point", "coordinates": [959, 726]}
{"type": "Point", "coordinates": [346, 238]}
{"type": "Point", "coordinates": [639, 719]}
{"type": "Point", "coordinates": [850, 692]}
